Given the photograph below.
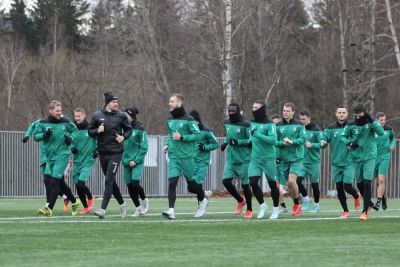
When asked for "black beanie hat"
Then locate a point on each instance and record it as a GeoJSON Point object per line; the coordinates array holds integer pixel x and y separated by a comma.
{"type": "Point", "coordinates": [108, 97]}
{"type": "Point", "coordinates": [132, 111]}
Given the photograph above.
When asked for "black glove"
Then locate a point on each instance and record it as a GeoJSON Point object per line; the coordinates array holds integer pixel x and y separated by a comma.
{"type": "Point", "coordinates": [278, 161]}
{"type": "Point", "coordinates": [47, 133]}
{"type": "Point", "coordinates": [223, 147]}
{"type": "Point", "coordinates": [67, 140]}
{"type": "Point", "coordinates": [352, 145]}
{"type": "Point", "coordinates": [74, 150]}
{"type": "Point", "coordinates": [95, 154]}
{"type": "Point", "coordinates": [233, 142]}
{"type": "Point", "coordinates": [26, 138]}
{"type": "Point", "coordinates": [369, 118]}
{"type": "Point", "coordinates": [202, 147]}
{"type": "Point", "coordinates": [252, 132]}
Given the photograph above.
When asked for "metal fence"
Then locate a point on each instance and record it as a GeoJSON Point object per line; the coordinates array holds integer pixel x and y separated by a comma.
{"type": "Point", "coordinates": [20, 175]}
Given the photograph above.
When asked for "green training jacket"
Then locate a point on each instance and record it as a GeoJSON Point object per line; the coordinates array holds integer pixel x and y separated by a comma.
{"type": "Point", "coordinates": [365, 137]}
{"type": "Point", "coordinates": [136, 146]}
{"type": "Point", "coordinates": [240, 131]}
{"type": "Point", "coordinates": [340, 155]}
{"type": "Point", "coordinates": [42, 152]}
{"type": "Point", "coordinates": [295, 131]}
{"type": "Point", "coordinates": [55, 146]}
{"type": "Point", "coordinates": [84, 144]}
{"type": "Point", "coordinates": [313, 135]}
{"type": "Point", "coordinates": [385, 142]}
{"type": "Point", "coordinates": [210, 143]}
{"type": "Point", "coordinates": [263, 140]}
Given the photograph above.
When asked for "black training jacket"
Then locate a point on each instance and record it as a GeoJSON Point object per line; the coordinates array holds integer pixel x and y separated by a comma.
{"type": "Point", "coordinates": [114, 122]}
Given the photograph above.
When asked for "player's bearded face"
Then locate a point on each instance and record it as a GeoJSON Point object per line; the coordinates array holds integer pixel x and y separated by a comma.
{"type": "Point", "coordinates": [56, 112]}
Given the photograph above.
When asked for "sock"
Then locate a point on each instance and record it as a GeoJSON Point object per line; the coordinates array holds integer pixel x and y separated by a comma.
{"type": "Point", "coordinates": [142, 195]}
{"type": "Point", "coordinates": [231, 189]}
{"type": "Point", "coordinates": [263, 206]}
{"type": "Point", "coordinates": [296, 201]}
{"type": "Point", "coordinates": [302, 189]}
{"type": "Point", "coordinates": [172, 184]}
{"type": "Point", "coordinates": [341, 196]}
{"type": "Point", "coordinates": [367, 195]}
{"type": "Point", "coordinates": [171, 210]}
{"type": "Point", "coordinates": [67, 191]}
{"type": "Point", "coordinates": [275, 194]}
{"type": "Point", "coordinates": [197, 189]}
{"type": "Point", "coordinates": [360, 187]}
{"type": "Point", "coordinates": [316, 192]}
{"type": "Point", "coordinates": [283, 205]}
{"type": "Point", "coordinates": [133, 193]}
{"type": "Point", "coordinates": [351, 190]}
{"type": "Point", "coordinates": [256, 189]}
{"type": "Point", "coordinates": [81, 193]}
{"type": "Point", "coordinates": [247, 195]}
{"type": "Point", "coordinates": [306, 198]}
{"type": "Point", "coordinates": [47, 186]}
{"type": "Point", "coordinates": [55, 189]}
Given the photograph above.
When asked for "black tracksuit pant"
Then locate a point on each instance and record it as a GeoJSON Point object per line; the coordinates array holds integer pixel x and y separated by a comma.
{"type": "Point", "coordinates": [109, 164]}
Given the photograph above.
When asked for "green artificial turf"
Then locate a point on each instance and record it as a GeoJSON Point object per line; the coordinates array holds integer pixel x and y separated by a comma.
{"type": "Point", "coordinates": [219, 239]}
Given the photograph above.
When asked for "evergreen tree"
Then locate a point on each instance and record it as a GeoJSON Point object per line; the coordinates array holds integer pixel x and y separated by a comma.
{"type": "Point", "coordinates": [55, 18]}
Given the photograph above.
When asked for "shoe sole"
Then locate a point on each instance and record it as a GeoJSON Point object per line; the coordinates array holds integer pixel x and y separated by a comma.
{"type": "Point", "coordinates": [166, 215]}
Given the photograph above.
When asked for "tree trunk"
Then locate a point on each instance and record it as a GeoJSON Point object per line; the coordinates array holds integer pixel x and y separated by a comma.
{"type": "Point", "coordinates": [373, 60]}
{"type": "Point", "coordinates": [227, 64]}
{"type": "Point", "coordinates": [342, 29]}
{"type": "Point", "coordinates": [393, 31]}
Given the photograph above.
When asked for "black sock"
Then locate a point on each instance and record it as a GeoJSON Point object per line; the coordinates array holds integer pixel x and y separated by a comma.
{"type": "Point", "coordinates": [378, 200]}
{"type": "Point", "coordinates": [367, 195]}
{"type": "Point", "coordinates": [283, 205]}
{"type": "Point", "coordinates": [142, 195]}
{"type": "Point", "coordinates": [302, 189]}
{"type": "Point", "coordinates": [275, 194]}
{"type": "Point", "coordinates": [55, 189]}
{"type": "Point", "coordinates": [197, 189]}
{"type": "Point", "coordinates": [256, 189]}
{"type": "Point", "coordinates": [360, 187]}
{"type": "Point", "coordinates": [231, 189]}
{"type": "Point", "coordinates": [296, 200]}
{"type": "Point", "coordinates": [248, 195]}
{"type": "Point", "coordinates": [351, 190]}
{"type": "Point", "coordinates": [315, 188]}
{"type": "Point", "coordinates": [172, 184]}
{"type": "Point", "coordinates": [67, 191]}
{"type": "Point", "coordinates": [341, 196]}
{"type": "Point", "coordinates": [47, 186]}
{"type": "Point", "coordinates": [80, 189]}
{"type": "Point", "coordinates": [133, 191]}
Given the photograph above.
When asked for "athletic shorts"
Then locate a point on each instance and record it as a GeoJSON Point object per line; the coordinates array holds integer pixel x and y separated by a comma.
{"type": "Point", "coordinates": [364, 170]}
{"type": "Point", "coordinates": [381, 167]}
{"type": "Point", "coordinates": [236, 171]}
{"type": "Point", "coordinates": [133, 174]}
{"type": "Point", "coordinates": [81, 173]}
{"type": "Point", "coordinates": [311, 170]}
{"type": "Point", "coordinates": [200, 172]}
{"type": "Point", "coordinates": [56, 168]}
{"type": "Point", "coordinates": [343, 174]}
{"type": "Point", "coordinates": [285, 168]}
{"type": "Point", "coordinates": [259, 166]}
{"type": "Point", "coordinates": [179, 167]}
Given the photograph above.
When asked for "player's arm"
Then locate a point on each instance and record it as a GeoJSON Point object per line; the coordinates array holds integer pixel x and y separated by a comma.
{"type": "Point", "coordinates": [194, 133]}
{"type": "Point", "coordinates": [39, 133]}
{"type": "Point", "coordinates": [301, 136]}
{"type": "Point", "coordinates": [392, 140]}
{"type": "Point", "coordinates": [269, 138]}
{"type": "Point", "coordinates": [212, 142]}
{"type": "Point", "coordinates": [143, 147]}
{"type": "Point", "coordinates": [378, 129]}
